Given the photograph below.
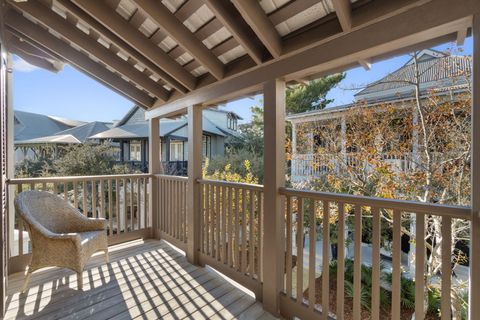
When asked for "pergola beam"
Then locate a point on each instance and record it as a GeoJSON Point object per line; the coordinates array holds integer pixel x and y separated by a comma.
{"type": "Point", "coordinates": [257, 19]}
{"type": "Point", "coordinates": [122, 45]}
{"type": "Point", "coordinates": [225, 12]}
{"type": "Point", "coordinates": [35, 60]}
{"type": "Point", "coordinates": [48, 18]}
{"type": "Point", "coordinates": [156, 11]}
{"type": "Point", "coordinates": [344, 13]}
{"type": "Point", "coordinates": [40, 38]}
{"type": "Point", "coordinates": [116, 24]}
{"type": "Point", "coordinates": [429, 21]}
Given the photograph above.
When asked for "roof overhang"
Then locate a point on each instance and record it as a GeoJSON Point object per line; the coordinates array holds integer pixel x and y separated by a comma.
{"type": "Point", "coordinates": [168, 55]}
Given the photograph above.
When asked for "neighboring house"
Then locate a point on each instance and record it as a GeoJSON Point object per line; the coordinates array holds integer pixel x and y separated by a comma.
{"type": "Point", "coordinates": [30, 126]}
{"type": "Point", "coordinates": [131, 136]}
{"type": "Point", "coordinates": [52, 145]}
{"type": "Point", "coordinates": [439, 73]}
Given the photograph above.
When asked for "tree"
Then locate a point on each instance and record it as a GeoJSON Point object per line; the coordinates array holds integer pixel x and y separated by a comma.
{"type": "Point", "coordinates": [312, 95]}
{"type": "Point", "coordinates": [418, 149]}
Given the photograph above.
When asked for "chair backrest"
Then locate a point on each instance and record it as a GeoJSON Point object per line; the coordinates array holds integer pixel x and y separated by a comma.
{"type": "Point", "coordinates": [46, 209]}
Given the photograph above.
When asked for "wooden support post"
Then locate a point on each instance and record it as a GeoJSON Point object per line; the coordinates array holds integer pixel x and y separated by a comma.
{"type": "Point", "coordinates": [154, 168]}
{"type": "Point", "coordinates": [474, 297]}
{"type": "Point", "coordinates": [193, 188]}
{"type": "Point", "coordinates": [274, 171]}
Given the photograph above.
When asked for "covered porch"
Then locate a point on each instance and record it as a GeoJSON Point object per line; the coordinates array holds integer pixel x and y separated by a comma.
{"type": "Point", "coordinates": [252, 234]}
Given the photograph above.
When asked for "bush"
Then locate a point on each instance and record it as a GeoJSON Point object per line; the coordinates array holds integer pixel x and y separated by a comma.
{"type": "Point", "coordinates": [236, 164]}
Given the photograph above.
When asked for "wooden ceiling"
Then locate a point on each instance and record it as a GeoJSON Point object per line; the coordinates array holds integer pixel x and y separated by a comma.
{"type": "Point", "coordinates": [155, 52]}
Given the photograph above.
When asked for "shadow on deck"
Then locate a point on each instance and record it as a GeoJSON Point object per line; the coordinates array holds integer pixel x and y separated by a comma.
{"type": "Point", "coordinates": [145, 280]}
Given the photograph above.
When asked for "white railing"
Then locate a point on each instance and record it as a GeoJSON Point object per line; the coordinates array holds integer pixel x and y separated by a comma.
{"type": "Point", "coordinates": [121, 199]}
{"type": "Point", "coordinates": [307, 166]}
{"type": "Point", "coordinates": [306, 213]}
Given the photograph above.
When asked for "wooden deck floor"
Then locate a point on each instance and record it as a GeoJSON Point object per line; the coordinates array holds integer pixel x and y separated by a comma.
{"type": "Point", "coordinates": [144, 280]}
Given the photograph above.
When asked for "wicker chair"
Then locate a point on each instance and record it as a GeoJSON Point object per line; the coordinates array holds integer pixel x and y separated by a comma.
{"type": "Point", "coordinates": [61, 236]}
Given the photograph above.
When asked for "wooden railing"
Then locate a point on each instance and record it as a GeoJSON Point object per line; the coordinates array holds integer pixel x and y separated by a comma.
{"type": "Point", "coordinates": [305, 215]}
{"type": "Point", "coordinates": [121, 199]}
{"type": "Point", "coordinates": [172, 193]}
{"type": "Point", "coordinates": [231, 230]}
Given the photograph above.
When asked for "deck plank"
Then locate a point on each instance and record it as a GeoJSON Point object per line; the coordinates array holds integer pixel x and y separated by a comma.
{"type": "Point", "coordinates": [144, 279]}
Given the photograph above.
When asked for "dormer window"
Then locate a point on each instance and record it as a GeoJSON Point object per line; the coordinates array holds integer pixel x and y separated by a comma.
{"type": "Point", "coordinates": [231, 122]}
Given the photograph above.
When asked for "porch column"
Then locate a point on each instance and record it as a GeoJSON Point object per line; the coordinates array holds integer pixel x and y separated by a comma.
{"type": "Point", "coordinates": [274, 172]}
{"type": "Point", "coordinates": [154, 168]}
{"type": "Point", "coordinates": [193, 188]}
{"type": "Point", "coordinates": [474, 297]}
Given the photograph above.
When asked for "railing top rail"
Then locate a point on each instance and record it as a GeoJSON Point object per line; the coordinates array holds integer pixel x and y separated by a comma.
{"type": "Point", "coordinates": [255, 187]}
{"type": "Point", "coordinates": [169, 177]}
{"type": "Point", "coordinates": [459, 212]}
{"type": "Point", "coordinates": [75, 178]}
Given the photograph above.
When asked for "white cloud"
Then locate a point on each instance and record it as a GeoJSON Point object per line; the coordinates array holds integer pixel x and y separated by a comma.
{"type": "Point", "coordinates": [21, 65]}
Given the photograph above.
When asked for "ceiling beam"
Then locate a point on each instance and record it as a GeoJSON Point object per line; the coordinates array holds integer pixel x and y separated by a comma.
{"type": "Point", "coordinates": [40, 38]}
{"type": "Point", "coordinates": [122, 45]}
{"type": "Point", "coordinates": [34, 60]}
{"type": "Point", "coordinates": [412, 27]}
{"type": "Point", "coordinates": [182, 35]}
{"type": "Point", "coordinates": [365, 63]}
{"type": "Point", "coordinates": [50, 19]}
{"type": "Point", "coordinates": [256, 18]}
{"type": "Point", "coordinates": [29, 49]}
{"type": "Point", "coordinates": [226, 13]}
{"type": "Point", "coordinates": [116, 24]}
{"type": "Point", "coordinates": [461, 35]}
{"type": "Point", "coordinates": [344, 13]}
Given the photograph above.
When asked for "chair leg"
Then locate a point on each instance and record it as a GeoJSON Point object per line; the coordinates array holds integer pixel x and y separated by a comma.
{"type": "Point", "coordinates": [80, 280]}
{"type": "Point", "coordinates": [28, 274]}
{"type": "Point", "coordinates": [107, 258]}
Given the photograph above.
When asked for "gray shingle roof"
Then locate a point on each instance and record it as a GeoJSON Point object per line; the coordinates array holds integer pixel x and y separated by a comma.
{"type": "Point", "coordinates": [30, 125]}
{"type": "Point", "coordinates": [445, 71]}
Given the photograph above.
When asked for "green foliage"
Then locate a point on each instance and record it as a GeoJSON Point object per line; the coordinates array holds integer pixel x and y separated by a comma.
{"type": "Point", "coordinates": [226, 173]}
{"type": "Point", "coordinates": [32, 168]}
{"type": "Point", "coordinates": [311, 96]}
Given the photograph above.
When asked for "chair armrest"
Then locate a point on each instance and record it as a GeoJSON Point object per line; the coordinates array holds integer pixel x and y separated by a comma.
{"type": "Point", "coordinates": [94, 224]}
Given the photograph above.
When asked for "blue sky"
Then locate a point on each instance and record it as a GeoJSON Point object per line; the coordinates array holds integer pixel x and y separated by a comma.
{"type": "Point", "coordinates": [71, 94]}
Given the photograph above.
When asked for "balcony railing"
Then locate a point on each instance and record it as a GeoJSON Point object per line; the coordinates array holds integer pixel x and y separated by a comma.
{"type": "Point", "coordinates": [121, 199]}
{"type": "Point", "coordinates": [231, 237]}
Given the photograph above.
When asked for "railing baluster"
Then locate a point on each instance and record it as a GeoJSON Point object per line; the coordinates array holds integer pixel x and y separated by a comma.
{"type": "Point", "coordinates": [20, 225]}
{"type": "Point", "coordinates": [94, 199]}
{"type": "Point", "coordinates": [326, 260]}
{"type": "Point", "coordinates": [65, 190]}
{"type": "Point", "coordinates": [132, 216]}
{"type": "Point", "coordinates": [117, 204]}
{"type": "Point", "coordinates": [312, 254]}
{"type": "Point", "coordinates": [300, 250]}
{"type": "Point", "coordinates": [250, 233]}
{"type": "Point", "coordinates": [84, 186]}
{"type": "Point", "coordinates": [102, 198]}
{"type": "Point", "coordinates": [419, 266]}
{"type": "Point", "coordinates": [341, 262]}
{"type": "Point", "coordinates": [207, 219]}
{"type": "Point", "coordinates": [145, 221]}
{"type": "Point", "coordinates": [217, 223]}
{"type": "Point", "coordinates": [138, 211]}
{"type": "Point", "coordinates": [446, 267]}
{"type": "Point", "coordinates": [224, 225]}
{"type": "Point", "coordinates": [230, 227]}
{"type": "Point", "coordinates": [260, 235]}
{"type": "Point", "coordinates": [237, 230]}
{"type": "Point", "coordinates": [396, 263]}
{"type": "Point", "coordinates": [288, 246]}
{"type": "Point", "coordinates": [357, 268]}
{"type": "Point", "coordinates": [243, 266]}
{"type": "Point", "coordinates": [110, 207]}
{"type": "Point", "coordinates": [75, 195]}
{"type": "Point", "coordinates": [376, 233]}
{"type": "Point", "coordinates": [125, 200]}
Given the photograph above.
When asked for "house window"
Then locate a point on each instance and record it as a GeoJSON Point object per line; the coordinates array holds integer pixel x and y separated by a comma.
{"type": "Point", "coordinates": [135, 151]}
{"type": "Point", "coordinates": [176, 150]}
{"type": "Point", "coordinates": [207, 146]}
{"type": "Point", "coordinates": [231, 122]}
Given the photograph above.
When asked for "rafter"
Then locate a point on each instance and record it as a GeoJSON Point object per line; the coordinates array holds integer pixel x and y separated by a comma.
{"type": "Point", "coordinates": [34, 60]}
{"type": "Point", "coordinates": [225, 12]}
{"type": "Point", "coordinates": [40, 38]}
{"type": "Point", "coordinates": [256, 18]}
{"type": "Point", "coordinates": [55, 22]}
{"type": "Point", "coordinates": [182, 35]}
{"type": "Point", "coordinates": [29, 49]}
{"type": "Point", "coordinates": [114, 39]}
{"type": "Point", "coordinates": [116, 24]}
{"type": "Point", "coordinates": [344, 13]}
